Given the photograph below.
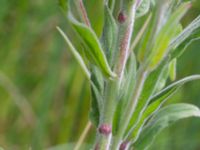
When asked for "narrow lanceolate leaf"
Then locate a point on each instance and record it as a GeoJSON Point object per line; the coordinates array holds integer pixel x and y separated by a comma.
{"type": "Point", "coordinates": [96, 105]}
{"type": "Point", "coordinates": [126, 90]}
{"type": "Point", "coordinates": [182, 47]}
{"type": "Point", "coordinates": [162, 79]}
{"type": "Point", "coordinates": [188, 31]}
{"type": "Point", "coordinates": [157, 101]}
{"type": "Point", "coordinates": [165, 35]}
{"type": "Point", "coordinates": [143, 8]}
{"type": "Point", "coordinates": [109, 36]}
{"type": "Point", "coordinates": [75, 53]}
{"type": "Point", "coordinates": [93, 47]}
{"type": "Point", "coordinates": [97, 88]}
{"type": "Point", "coordinates": [173, 87]}
{"type": "Point", "coordinates": [162, 119]}
{"type": "Point", "coordinates": [150, 86]}
{"type": "Point", "coordinates": [172, 69]}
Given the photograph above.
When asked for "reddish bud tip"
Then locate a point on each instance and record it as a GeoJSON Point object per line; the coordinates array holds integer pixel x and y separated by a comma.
{"type": "Point", "coordinates": [121, 17]}
{"type": "Point", "coordinates": [123, 145]}
{"type": "Point", "coordinates": [105, 129]}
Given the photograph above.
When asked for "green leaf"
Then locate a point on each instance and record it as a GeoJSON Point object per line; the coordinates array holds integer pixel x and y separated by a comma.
{"type": "Point", "coordinates": [143, 8]}
{"type": "Point", "coordinates": [130, 77]}
{"type": "Point", "coordinates": [172, 69]}
{"type": "Point", "coordinates": [94, 50]}
{"type": "Point", "coordinates": [159, 16]}
{"type": "Point", "coordinates": [182, 47]}
{"type": "Point", "coordinates": [189, 35]}
{"type": "Point", "coordinates": [126, 90]}
{"type": "Point", "coordinates": [109, 36]}
{"type": "Point", "coordinates": [95, 108]}
{"type": "Point", "coordinates": [188, 31]}
{"type": "Point", "coordinates": [165, 35]}
{"type": "Point", "coordinates": [157, 101]}
{"type": "Point", "coordinates": [75, 53]}
{"type": "Point", "coordinates": [162, 119]}
{"type": "Point", "coordinates": [150, 86]}
{"type": "Point", "coordinates": [108, 39]}
{"type": "Point", "coordinates": [171, 89]}
{"type": "Point", "coordinates": [147, 40]}
{"type": "Point", "coordinates": [97, 87]}
{"type": "Point", "coordinates": [162, 79]}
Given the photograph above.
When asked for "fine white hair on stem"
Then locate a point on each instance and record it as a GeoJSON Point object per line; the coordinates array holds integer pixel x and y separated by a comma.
{"type": "Point", "coordinates": [125, 45]}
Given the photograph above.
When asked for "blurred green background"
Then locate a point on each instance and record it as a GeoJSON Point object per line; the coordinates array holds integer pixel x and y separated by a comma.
{"type": "Point", "coordinates": [44, 97]}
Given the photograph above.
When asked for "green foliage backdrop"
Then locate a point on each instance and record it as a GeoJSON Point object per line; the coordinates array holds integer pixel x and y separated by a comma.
{"type": "Point", "coordinates": [44, 96]}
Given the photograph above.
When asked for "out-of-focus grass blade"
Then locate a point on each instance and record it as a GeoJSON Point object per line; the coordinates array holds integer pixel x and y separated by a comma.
{"type": "Point", "coordinates": [70, 146]}
{"type": "Point", "coordinates": [64, 5]}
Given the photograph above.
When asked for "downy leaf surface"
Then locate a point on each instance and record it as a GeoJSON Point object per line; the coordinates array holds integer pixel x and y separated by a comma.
{"type": "Point", "coordinates": [165, 35]}
{"type": "Point", "coordinates": [150, 86]}
{"type": "Point", "coordinates": [93, 49]}
{"type": "Point", "coordinates": [127, 90]}
{"type": "Point", "coordinates": [109, 36]}
{"type": "Point", "coordinates": [157, 101]}
{"type": "Point", "coordinates": [162, 119]}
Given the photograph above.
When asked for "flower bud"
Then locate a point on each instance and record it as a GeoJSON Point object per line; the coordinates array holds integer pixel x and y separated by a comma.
{"type": "Point", "coordinates": [124, 145]}
{"type": "Point", "coordinates": [105, 129]}
{"type": "Point", "coordinates": [121, 17]}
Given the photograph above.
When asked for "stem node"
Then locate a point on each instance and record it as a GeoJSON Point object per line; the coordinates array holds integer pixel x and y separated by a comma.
{"type": "Point", "coordinates": [105, 129]}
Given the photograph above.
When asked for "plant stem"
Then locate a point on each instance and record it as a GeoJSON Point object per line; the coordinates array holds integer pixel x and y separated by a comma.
{"type": "Point", "coordinates": [109, 108]}
{"type": "Point", "coordinates": [129, 110]}
{"type": "Point", "coordinates": [126, 19]}
{"type": "Point", "coordinates": [84, 13]}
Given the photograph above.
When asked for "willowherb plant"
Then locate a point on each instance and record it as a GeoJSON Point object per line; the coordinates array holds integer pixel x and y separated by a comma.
{"type": "Point", "coordinates": [128, 70]}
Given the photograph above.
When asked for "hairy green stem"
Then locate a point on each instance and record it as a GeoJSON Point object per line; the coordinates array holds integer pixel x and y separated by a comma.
{"type": "Point", "coordinates": [126, 20]}
{"type": "Point", "coordinates": [129, 110]}
{"type": "Point", "coordinates": [109, 108]}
